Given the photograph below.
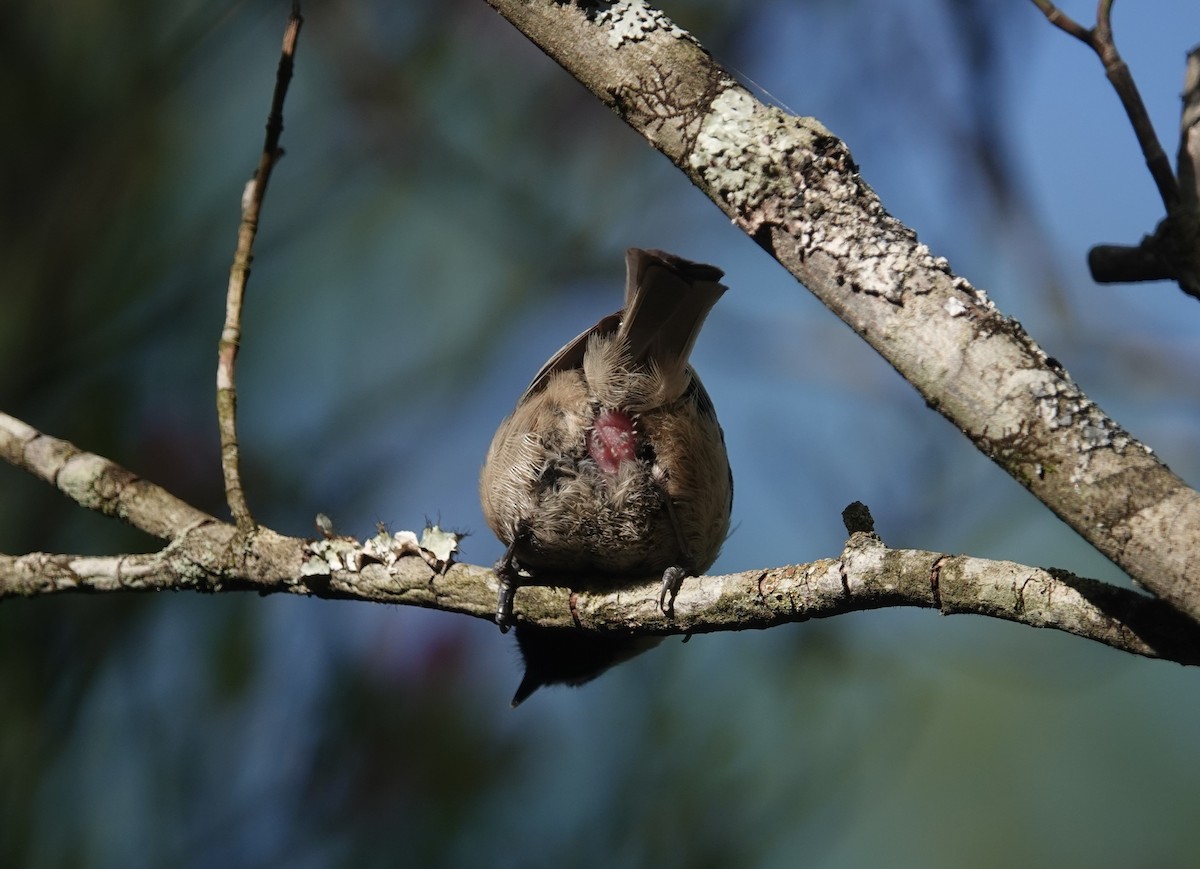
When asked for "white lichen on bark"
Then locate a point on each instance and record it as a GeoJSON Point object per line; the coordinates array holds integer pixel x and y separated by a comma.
{"type": "Point", "coordinates": [635, 20]}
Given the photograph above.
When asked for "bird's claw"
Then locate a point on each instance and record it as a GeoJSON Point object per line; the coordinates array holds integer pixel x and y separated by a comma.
{"type": "Point", "coordinates": [506, 576]}
{"type": "Point", "coordinates": [504, 604]}
{"type": "Point", "coordinates": [671, 583]}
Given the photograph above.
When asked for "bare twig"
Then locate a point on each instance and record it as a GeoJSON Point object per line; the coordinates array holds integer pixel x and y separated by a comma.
{"type": "Point", "coordinates": [1188, 161]}
{"type": "Point", "coordinates": [239, 274]}
{"type": "Point", "coordinates": [1100, 40]}
{"type": "Point", "coordinates": [1064, 22]}
{"type": "Point", "coordinates": [1172, 251]}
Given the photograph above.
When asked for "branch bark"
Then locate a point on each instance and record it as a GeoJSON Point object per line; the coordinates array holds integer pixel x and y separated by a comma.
{"type": "Point", "coordinates": [207, 555]}
{"type": "Point", "coordinates": [795, 189]}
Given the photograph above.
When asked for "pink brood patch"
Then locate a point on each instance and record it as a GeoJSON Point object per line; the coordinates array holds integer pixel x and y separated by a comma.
{"type": "Point", "coordinates": [612, 440]}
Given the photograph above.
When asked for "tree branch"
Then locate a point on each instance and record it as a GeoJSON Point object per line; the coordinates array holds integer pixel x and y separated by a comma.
{"type": "Point", "coordinates": [96, 483]}
{"type": "Point", "coordinates": [1188, 158]}
{"type": "Point", "coordinates": [1172, 251]}
{"type": "Point", "coordinates": [239, 275]}
{"type": "Point", "coordinates": [208, 555]}
{"type": "Point", "coordinates": [795, 189]}
{"type": "Point", "coordinates": [1100, 39]}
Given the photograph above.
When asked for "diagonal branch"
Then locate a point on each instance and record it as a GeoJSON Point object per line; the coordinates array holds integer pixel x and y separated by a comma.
{"type": "Point", "coordinates": [795, 189]}
{"type": "Point", "coordinates": [97, 483]}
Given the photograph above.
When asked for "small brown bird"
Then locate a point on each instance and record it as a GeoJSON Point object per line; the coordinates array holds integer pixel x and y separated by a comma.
{"type": "Point", "coordinates": [612, 468]}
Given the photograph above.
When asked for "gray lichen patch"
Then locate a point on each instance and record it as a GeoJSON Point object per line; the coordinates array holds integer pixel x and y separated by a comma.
{"type": "Point", "coordinates": [633, 21]}
{"type": "Point", "coordinates": [668, 108]}
{"type": "Point", "coordinates": [977, 294]}
{"type": "Point", "coordinates": [740, 147]}
{"type": "Point", "coordinates": [777, 171]}
{"type": "Point", "coordinates": [1063, 407]}
{"type": "Point", "coordinates": [436, 546]}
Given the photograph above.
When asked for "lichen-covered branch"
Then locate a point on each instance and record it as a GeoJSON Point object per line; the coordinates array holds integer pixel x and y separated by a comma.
{"type": "Point", "coordinates": [794, 187]}
{"type": "Point", "coordinates": [207, 555]}
{"type": "Point", "coordinates": [97, 483]}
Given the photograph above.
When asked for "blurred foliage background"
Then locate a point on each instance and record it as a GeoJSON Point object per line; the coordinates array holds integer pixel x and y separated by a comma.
{"type": "Point", "coordinates": [451, 209]}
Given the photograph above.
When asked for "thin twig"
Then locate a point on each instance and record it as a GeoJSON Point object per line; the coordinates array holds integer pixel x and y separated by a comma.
{"type": "Point", "coordinates": [1100, 40]}
{"type": "Point", "coordinates": [1063, 21]}
{"type": "Point", "coordinates": [1188, 159]}
{"type": "Point", "coordinates": [239, 274]}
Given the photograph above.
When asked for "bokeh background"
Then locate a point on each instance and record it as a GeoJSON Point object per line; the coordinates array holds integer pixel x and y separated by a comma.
{"type": "Point", "coordinates": [451, 209]}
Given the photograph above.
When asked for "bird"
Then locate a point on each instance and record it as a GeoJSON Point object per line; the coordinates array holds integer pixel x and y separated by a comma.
{"type": "Point", "coordinates": [612, 467]}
